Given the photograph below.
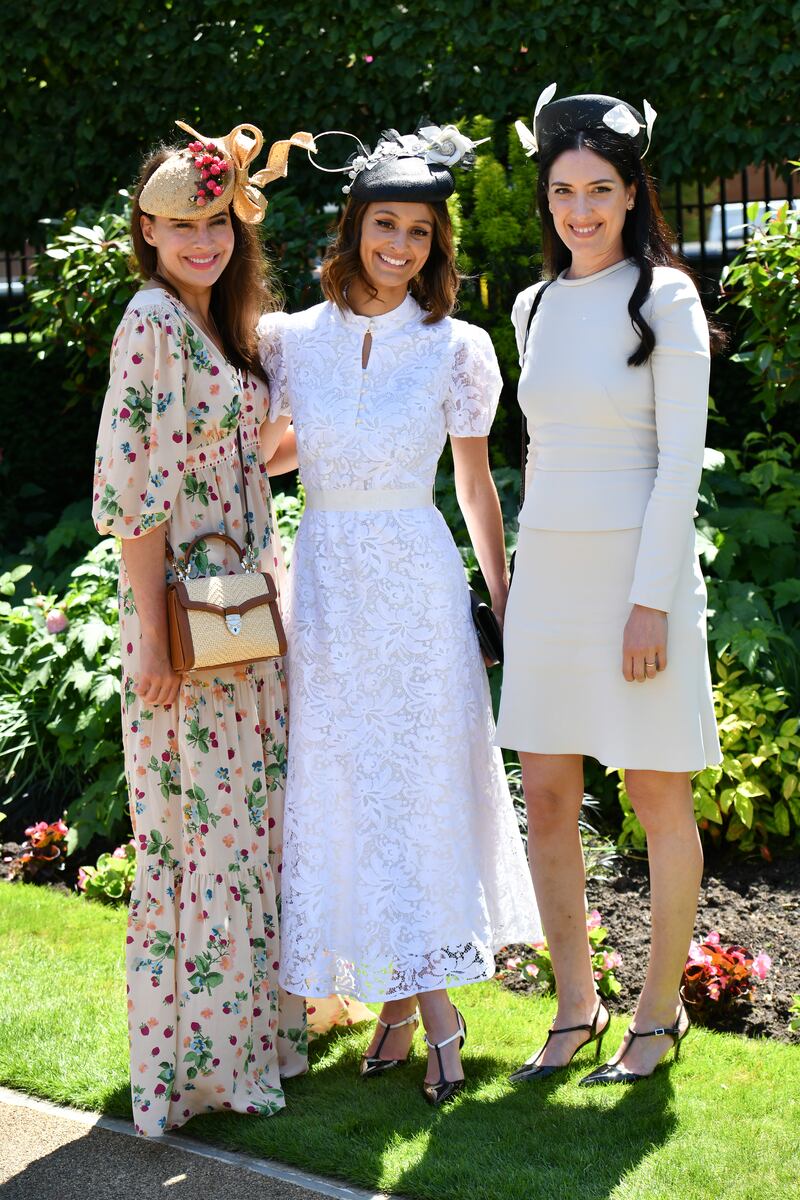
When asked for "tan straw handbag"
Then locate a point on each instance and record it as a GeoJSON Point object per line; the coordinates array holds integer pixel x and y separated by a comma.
{"type": "Point", "coordinates": [223, 620]}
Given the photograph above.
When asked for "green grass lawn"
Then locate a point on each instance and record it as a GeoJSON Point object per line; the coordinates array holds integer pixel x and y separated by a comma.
{"type": "Point", "coordinates": [723, 1123]}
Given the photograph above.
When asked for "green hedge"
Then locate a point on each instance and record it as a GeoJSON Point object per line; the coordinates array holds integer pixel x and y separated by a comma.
{"type": "Point", "coordinates": [92, 84]}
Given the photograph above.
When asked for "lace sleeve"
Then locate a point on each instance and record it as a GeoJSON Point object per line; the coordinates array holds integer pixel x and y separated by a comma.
{"type": "Point", "coordinates": [475, 385]}
{"type": "Point", "coordinates": [273, 360]}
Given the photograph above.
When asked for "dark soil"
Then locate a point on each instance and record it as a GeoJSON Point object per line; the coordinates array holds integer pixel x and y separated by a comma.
{"type": "Point", "coordinates": [749, 902]}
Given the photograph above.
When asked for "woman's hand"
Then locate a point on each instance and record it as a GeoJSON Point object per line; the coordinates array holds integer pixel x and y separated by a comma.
{"type": "Point", "coordinates": [644, 644]}
{"type": "Point", "coordinates": [157, 682]}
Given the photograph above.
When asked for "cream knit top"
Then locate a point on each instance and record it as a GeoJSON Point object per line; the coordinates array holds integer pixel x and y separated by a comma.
{"type": "Point", "coordinates": [613, 446]}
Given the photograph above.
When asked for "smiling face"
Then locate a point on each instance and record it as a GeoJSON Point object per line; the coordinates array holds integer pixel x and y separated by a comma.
{"type": "Point", "coordinates": [589, 201]}
{"type": "Point", "coordinates": [191, 254]}
{"type": "Point", "coordinates": [396, 239]}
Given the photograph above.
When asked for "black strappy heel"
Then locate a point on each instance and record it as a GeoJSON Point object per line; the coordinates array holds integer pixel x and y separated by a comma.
{"type": "Point", "coordinates": [445, 1090]}
{"type": "Point", "coordinates": [373, 1064]}
{"type": "Point", "coordinates": [614, 1073]}
{"type": "Point", "coordinates": [533, 1070]}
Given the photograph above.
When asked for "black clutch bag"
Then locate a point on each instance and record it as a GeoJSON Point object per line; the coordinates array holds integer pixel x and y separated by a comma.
{"type": "Point", "coordinates": [487, 627]}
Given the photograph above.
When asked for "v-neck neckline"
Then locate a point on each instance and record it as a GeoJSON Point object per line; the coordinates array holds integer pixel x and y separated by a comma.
{"type": "Point", "coordinates": [208, 341]}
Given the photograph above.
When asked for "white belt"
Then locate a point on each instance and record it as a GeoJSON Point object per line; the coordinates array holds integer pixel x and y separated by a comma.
{"type": "Point", "coordinates": [367, 500]}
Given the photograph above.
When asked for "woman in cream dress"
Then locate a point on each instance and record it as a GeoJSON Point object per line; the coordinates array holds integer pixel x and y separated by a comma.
{"type": "Point", "coordinates": [605, 628]}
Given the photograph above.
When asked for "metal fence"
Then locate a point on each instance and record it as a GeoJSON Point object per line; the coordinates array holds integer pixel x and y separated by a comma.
{"type": "Point", "coordinates": [712, 221]}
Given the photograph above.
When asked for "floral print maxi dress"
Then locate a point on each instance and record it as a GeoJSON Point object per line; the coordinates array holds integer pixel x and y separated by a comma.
{"type": "Point", "coordinates": [209, 1026]}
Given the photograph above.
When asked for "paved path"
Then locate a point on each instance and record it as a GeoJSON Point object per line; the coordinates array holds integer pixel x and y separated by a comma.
{"type": "Point", "coordinates": [53, 1153]}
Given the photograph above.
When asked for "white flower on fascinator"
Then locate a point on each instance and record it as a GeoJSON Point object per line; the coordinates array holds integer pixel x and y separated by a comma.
{"type": "Point", "coordinates": [650, 115]}
{"type": "Point", "coordinates": [447, 146]}
{"type": "Point", "coordinates": [621, 120]}
{"type": "Point", "coordinates": [524, 134]}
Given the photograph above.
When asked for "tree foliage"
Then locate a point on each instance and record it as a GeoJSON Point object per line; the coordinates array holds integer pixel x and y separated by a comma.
{"type": "Point", "coordinates": [94, 84]}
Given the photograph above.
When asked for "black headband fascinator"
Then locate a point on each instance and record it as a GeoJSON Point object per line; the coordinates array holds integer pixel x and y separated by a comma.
{"type": "Point", "coordinates": [553, 118]}
{"type": "Point", "coordinates": [414, 166]}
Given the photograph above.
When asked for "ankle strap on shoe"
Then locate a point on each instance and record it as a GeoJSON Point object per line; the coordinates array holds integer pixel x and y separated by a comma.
{"type": "Point", "coordinates": [438, 1045]}
{"type": "Point", "coordinates": [399, 1024]}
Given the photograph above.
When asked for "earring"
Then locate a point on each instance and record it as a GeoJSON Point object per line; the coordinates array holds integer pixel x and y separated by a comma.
{"type": "Point", "coordinates": [630, 206]}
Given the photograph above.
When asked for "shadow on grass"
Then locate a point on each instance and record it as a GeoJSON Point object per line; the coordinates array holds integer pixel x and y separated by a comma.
{"type": "Point", "coordinates": [551, 1141]}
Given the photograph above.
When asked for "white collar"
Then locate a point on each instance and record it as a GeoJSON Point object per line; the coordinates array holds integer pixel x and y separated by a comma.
{"type": "Point", "coordinates": [404, 314]}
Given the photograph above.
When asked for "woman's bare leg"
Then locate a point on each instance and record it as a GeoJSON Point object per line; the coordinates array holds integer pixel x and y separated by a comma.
{"type": "Point", "coordinates": [440, 1021]}
{"type": "Point", "coordinates": [662, 800]}
{"type": "Point", "coordinates": [553, 785]}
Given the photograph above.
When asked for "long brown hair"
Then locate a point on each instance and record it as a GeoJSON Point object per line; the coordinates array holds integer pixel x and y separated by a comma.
{"type": "Point", "coordinates": [243, 291]}
{"type": "Point", "coordinates": [435, 287]}
{"type": "Point", "coordinates": [646, 237]}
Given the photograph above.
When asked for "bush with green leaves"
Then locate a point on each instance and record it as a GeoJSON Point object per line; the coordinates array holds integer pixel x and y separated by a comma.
{"type": "Point", "coordinates": [60, 723]}
{"type": "Point", "coordinates": [499, 248]}
{"type": "Point", "coordinates": [91, 78]}
{"type": "Point", "coordinates": [753, 796]}
{"type": "Point", "coordinates": [764, 284]}
{"type": "Point", "coordinates": [747, 533]}
{"type": "Point", "coordinates": [111, 880]}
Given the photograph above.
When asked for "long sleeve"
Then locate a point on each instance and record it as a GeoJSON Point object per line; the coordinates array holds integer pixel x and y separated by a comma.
{"type": "Point", "coordinates": [680, 366]}
{"type": "Point", "coordinates": [142, 437]}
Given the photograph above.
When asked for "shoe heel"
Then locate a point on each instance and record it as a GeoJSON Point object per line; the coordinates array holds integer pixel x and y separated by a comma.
{"type": "Point", "coordinates": [599, 1046]}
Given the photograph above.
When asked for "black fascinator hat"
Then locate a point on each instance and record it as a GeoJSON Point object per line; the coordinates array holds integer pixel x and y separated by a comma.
{"type": "Point", "coordinates": [415, 166]}
{"type": "Point", "coordinates": [553, 118]}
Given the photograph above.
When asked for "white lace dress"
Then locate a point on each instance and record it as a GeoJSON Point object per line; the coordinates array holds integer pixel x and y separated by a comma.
{"type": "Point", "coordinates": [403, 869]}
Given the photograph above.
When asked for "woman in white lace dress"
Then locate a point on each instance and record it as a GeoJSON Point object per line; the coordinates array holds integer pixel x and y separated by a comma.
{"type": "Point", "coordinates": [404, 870]}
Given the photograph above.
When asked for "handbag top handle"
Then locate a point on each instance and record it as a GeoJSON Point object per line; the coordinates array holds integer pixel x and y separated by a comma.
{"type": "Point", "coordinates": [524, 427]}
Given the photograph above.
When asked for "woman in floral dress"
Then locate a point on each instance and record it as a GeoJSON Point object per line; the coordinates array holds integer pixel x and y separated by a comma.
{"type": "Point", "coordinates": [205, 753]}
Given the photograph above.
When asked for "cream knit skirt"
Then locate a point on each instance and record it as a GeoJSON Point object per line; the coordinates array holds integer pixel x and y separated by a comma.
{"type": "Point", "coordinates": [563, 687]}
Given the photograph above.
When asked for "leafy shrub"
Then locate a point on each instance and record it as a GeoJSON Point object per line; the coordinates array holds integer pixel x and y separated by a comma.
{"type": "Point", "coordinates": [42, 852]}
{"type": "Point", "coordinates": [60, 718]}
{"type": "Point", "coordinates": [754, 794]}
{"type": "Point", "coordinates": [747, 531]}
{"type": "Point", "coordinates": [764, 282]}
{"type": "Point", "coordinates": [112, 879]}
{"type": "Point", "coordinates": [716, 977]}
{"type": "Point", "coordinates": [83, 280]}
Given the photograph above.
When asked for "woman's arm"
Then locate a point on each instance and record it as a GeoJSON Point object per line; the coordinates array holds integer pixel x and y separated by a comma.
{"type": "Point", "coordinates": [144, 562]}
{"type": "Point", "coordinates": [478, 501]}
{"type": "Point", "coordinates": [271, 434]}
{"type": "Point", "coordinates": [284, 457]}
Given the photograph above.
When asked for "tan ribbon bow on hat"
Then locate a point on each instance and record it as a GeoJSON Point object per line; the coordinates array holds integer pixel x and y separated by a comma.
{"type": "Point", "coordinates": [241, 146]}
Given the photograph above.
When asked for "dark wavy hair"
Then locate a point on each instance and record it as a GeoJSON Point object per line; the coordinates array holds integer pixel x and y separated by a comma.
{"type": "Point", "coordinates": [435, 287]}
{"type": "Point", "coordinates": [646, 237]}
{"type": "Point", "coordinates": [241, 295]}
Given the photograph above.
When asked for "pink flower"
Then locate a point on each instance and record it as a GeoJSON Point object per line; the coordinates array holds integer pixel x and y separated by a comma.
{"type": "Point", "coordinates": [696, 955]}
{"type": "Point", "coordinates": [531, 969]}
{"type": "Point", "coordinates": [713, 938]}
{"type": "Point", "coordinates": [513, 963]}
{"type": "Point", "coordinates": [761, 964]}
{"type": "Point", "coordinates": [82, 877]}
{"type": "Point", "coordinates": [368, 58]}
{"type": "Point", "coordinates": [56, 621]}
{"type": "Point", "coordinates": [119, 852]}
{"type": "Point", "coordinates": [200, 200]}
{"type": "Point", "coordinates": [594, 920]}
